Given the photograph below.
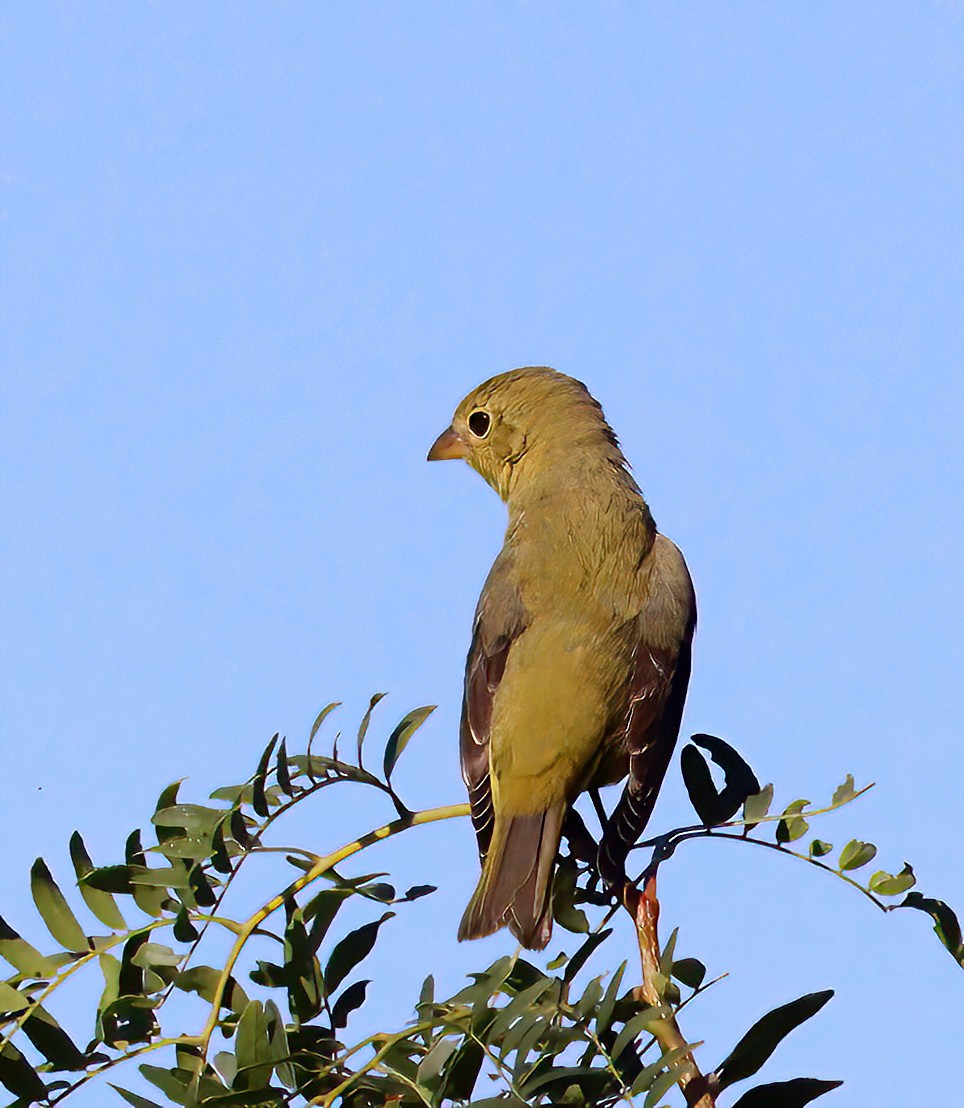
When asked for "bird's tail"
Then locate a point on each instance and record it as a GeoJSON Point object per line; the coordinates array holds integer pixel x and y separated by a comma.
{"type": "Point", "coordinates": [515, 889]}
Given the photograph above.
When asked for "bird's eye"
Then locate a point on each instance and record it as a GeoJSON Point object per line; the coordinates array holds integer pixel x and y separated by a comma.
{"type": "Point", "coordinates": [479, 424]}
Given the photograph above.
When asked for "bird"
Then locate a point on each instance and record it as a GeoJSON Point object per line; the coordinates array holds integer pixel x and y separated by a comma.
{"type": "Point", "coordinates": [580, 655]}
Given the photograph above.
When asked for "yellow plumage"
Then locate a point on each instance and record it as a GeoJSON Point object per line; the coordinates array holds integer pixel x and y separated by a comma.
{"type": "Point", "coordinates": [580, 653]}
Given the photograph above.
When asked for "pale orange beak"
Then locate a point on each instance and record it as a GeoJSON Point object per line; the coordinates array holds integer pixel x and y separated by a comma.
{"type": "Point", "coordinates": [449, 444]}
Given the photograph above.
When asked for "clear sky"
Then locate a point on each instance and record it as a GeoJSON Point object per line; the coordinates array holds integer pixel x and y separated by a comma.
{"type": "Point", "coordinates": [254, 254]}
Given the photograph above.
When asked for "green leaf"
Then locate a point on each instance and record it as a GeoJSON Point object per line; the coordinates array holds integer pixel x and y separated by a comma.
{"type": "Point", "coordinates": [321, 910]}
{"type": "Point", "coordinates": [756, 1046]}
{"type": "Point", "coordinates": [102, 904]}
{"type": "Point", "coordinates": [690, 971]}
{"type": "Point", "coordinates": [679, 1066]}
{"type": "Point", "coordinates": [431, 1065]}
{"type": "Point", "coordinates": [133, 1098]}
{"type": "Point", "coordinates": [604, 1013]}
{"type": "Point", "coordinates": [252, 1048]}
{"type": "Point", "coordinates": [889, 884]}
{"type": "Point", "coordinates": [24, 957]}
{"type": "Point", "coordinates": [281, 770]}
{"type": "Point", "coordinates": [351, 950]}
{"type": "Point", "coordinates": [172, 1082]}
{"type": "Point", "coordinates": [204, 981]}
{"type": "Point", "coordinates": [12, 1000]}
{"type": "Point", "coordinates": [856, 854]}
{"type": "Point", "coordinates": [363, 726]}
{"type": "Point", "coordinates": [757, 805]}
{"type": "Point", "coordinates": [818, 848]}
{"type": "Point", "coordinates": [634, 1027]}
{"type": "Point", "coordinates": [843, 793]}
{"type": "Point", "coordinates": [321, 717]}
{"type": "Point", "coordinates": [793, 826]}
{"type": "Point", "coordinates": [189, 817]}
{"type": "Point", "coordinates": [398, 739]}
{"type": "Point", "coordinates": [946, 925]}
{"type": "Point", "coordinates": [786, 1094]}
{"type": "Point", "coordinates": [54, 909]}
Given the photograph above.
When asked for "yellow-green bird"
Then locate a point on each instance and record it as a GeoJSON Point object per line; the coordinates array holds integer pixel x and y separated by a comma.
{"type": "Point", "coordinates": [580, 654]}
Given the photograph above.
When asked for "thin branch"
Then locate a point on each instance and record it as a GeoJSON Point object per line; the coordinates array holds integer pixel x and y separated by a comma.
{"type": "Point", "coordinates": [643, 906]}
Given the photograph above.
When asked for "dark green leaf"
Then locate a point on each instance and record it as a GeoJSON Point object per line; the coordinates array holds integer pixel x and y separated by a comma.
{"type": "Point", "coordinates": [699, 785]}
{"type": "Point", "coordinates": [351, 950]}
{"type": "Point", "coordinates": [765, 1036]}
{"type": "Point", "coordinates": [461, 1072]}
{"type": "Point", "coordinates": [52, 1041]}
{"type": "Point", "coordinates": [239, 830]}
{"type": "Point", "coordinates": [102, 904]}
{"type": "Point", "coordinates": [740, 781]}
{"type": "Point", "coordinates": [320, 911]}
{"type": "Point", "coordinates": [353, 997]}
{"type": "Point", "coordinates": [302, 970]}
{"type": "Point", "coordinates": [258, 799]}
{"type": "Point", "coordinates": [150, 900]}
{"type": "Point", "coordinates": [417, 891]}
{"type": "Point", "coordinates": [54, 909]}
{"type": "Point", "coordinates": [184, 930]}
{"type": "Point", "coordinates": [786, 1094]}
{"type": "Point", "coordinates": [564, 911]}
{"type": "Point", "coordinates": [818, 848]}
{"type": "Point", "coordinates": [133, 1098]}
{"type": "Point", "coordinates": [690, 971]}
{"type": "Point", "coordinates": [19, 1077]}
{"type": "Point", "coordinates": [793, 826]}
{"type": "Point", "coordinates": [363, 726]}
{"type": "Point", "coordinates": [582, 955]}
{"type": "Point", "coordinates": [398, 739]}
{"type": "Point", "coordinates": [887, 884]}
{"type": "Point", "coordinates": [856, 854]}
{"type": "Point", "coordinates": [281, 769]}
{"type": "Point", "coordinates": [946, 925]}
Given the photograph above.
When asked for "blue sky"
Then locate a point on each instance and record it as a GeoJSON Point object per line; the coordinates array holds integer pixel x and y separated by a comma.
{"type": "Point", "coordinates": [252, 257]}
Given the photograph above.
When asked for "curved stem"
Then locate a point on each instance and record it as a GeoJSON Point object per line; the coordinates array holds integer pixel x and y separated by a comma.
{"type": "Point", "coordinates": [321, 866]}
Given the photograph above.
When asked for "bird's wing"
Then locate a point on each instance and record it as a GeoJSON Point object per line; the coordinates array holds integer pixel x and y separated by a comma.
{"type": "Point", "coordinates": [499, 620]}
{"type": "Point", "coordinates": [663, 634]}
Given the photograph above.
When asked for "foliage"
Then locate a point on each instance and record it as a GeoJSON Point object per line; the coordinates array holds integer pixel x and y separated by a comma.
{"type": "Point", "coordinates": [571, 1033]}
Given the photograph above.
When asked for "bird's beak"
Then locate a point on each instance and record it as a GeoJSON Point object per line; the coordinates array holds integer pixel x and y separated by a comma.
{"type": "Point", "coordinates": [449, 444]}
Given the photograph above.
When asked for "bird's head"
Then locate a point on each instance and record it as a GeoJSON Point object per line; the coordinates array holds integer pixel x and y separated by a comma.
{"type": "Point", "coordinates": [523, 421]}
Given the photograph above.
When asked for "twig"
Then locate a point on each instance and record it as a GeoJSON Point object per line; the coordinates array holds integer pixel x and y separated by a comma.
{"type": "Point", "coordinates": [699, 1091]}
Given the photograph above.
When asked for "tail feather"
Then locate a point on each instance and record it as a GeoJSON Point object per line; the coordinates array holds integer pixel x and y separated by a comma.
{"type": "Point", "coordinates": [515, 889]}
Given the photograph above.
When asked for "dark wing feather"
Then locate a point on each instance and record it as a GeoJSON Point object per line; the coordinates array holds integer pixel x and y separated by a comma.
{"type": "Point", "coordinates": [499, 620]}
{"type": "Point", "coordinates": [657, 694]}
